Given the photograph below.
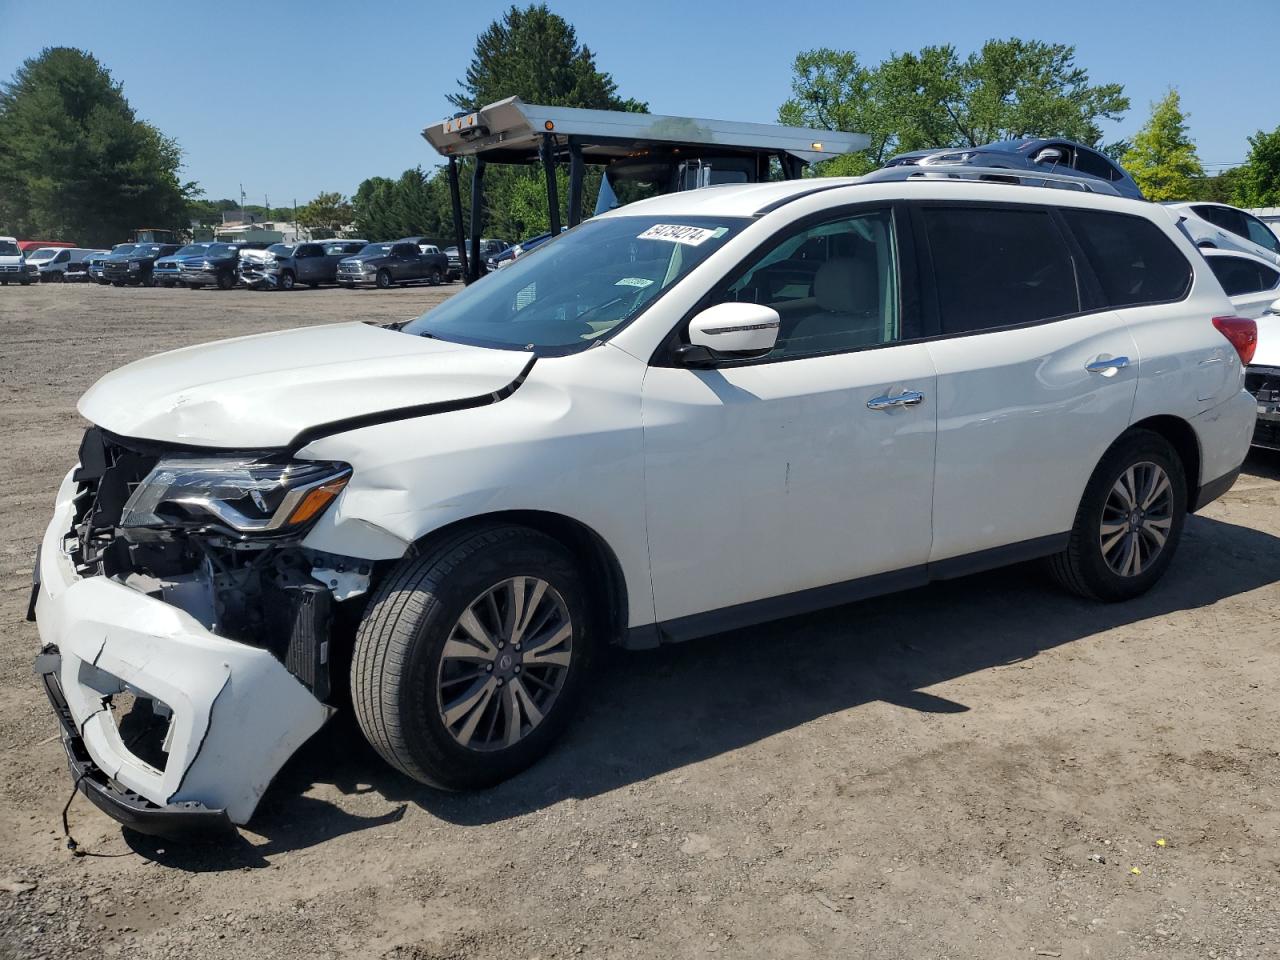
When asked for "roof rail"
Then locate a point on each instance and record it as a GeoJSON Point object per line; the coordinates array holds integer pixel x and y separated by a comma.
{"type": "Point", "coordinates": [1024, 178]}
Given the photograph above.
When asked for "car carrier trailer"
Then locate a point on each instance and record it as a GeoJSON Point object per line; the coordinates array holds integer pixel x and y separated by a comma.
{"type": "Point", "coordinates": [673, 153]}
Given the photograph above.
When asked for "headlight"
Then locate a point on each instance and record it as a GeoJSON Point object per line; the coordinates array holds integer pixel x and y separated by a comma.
{"type": "Point", "coordinates": [247, 496]}
{"type": "Point", "coordinates": [207, 265]}
{"type": "Point", "coordinates": [31, 267]}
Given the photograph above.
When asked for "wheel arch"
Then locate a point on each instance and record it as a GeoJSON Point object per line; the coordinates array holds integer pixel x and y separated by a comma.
{"type": "Point", "coordinates": [1182, 437]}
{"type": "Point", "coordinates": [589, 549]}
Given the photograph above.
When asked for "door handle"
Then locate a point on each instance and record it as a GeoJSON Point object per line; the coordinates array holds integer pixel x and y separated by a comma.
{"type": "Point", "coordinates": [1107, 367]}
{"type": "Point", "coordinates": [908, 398]}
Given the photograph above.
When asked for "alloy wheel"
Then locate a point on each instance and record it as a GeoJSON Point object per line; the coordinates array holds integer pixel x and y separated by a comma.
{"type": "Point", "coordinates": [1136, 519]}
{"type": "Point", "coordinates": [504, 664]}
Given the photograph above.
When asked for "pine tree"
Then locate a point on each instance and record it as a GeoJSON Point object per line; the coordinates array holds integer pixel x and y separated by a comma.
{"type": "Point", "coordinates": [1163, 158]}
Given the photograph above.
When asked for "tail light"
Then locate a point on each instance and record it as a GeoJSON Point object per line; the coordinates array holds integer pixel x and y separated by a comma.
{"type": "Point", "coordinates": [1242, 333]}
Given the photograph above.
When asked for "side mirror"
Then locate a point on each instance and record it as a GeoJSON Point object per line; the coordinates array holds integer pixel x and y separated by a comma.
{"type": "Point", "coordinates": [1050, 156]}
{"type": "Point", "coordinates": [730, 331]}
{"type": "Point", "coordinates": [1274, 309]}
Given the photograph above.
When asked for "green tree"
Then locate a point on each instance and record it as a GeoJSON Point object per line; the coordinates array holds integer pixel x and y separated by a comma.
{"type": "Point", "coordinates": [325, 215]}
{"type": "Point", "coordinates": [1163, 158]}
{"type": "Point", "coordinates": [1258, 180]}
{"type": "Point", "coordinates": [534, 54]}
{"type": "Point", "coordinates": [933, 98]}
{"type": "Point", "coordinates": [75, 161]}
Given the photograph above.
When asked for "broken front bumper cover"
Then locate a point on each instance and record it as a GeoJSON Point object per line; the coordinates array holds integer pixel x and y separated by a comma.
{"type": "Point", "coordinates": [118, 802]}
{"type": "Point", "coordinates": [235, 714]}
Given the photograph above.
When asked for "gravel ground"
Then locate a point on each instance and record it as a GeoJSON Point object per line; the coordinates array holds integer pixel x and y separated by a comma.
{"type": "Point", "coordinates": [985, 768]}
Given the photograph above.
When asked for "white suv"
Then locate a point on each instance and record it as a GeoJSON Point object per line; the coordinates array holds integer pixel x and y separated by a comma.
{"type": "Point", "coordinates": [1218, 225]}
{"type": "Point", "coordinates": [694, 413]}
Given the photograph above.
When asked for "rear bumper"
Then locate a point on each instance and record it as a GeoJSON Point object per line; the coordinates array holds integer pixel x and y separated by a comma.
{"type": "Point", "coordinates": [233, 714]}
{"type": "Point", "coordinates": [1263, 383]}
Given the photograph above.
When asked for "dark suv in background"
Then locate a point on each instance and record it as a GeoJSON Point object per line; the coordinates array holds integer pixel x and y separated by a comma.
{"type": "Point", "coordinates": [387, 264]}
{"type": "Point", "coordinates": [282, 265]}
{"type": "Point", "coordinates": [489, 249]}
{"type": "Point", "coordinates": [137, 266]}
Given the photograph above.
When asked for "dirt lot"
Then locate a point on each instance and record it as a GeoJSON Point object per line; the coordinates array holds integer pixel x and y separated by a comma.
{"type": "Point", "coordinates": [986, 768]}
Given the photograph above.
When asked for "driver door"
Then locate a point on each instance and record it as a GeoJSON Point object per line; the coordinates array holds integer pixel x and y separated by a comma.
{"type": "Point", "coordinates": [804, 477]}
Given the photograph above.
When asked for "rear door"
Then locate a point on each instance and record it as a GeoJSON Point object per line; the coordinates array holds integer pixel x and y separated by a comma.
{"type": "Point", "coordinates": [405, 261]}
{"type": "Point", "coordinates": [1034, 378]}
{"type": "Point", "coordinates": [310, 260]}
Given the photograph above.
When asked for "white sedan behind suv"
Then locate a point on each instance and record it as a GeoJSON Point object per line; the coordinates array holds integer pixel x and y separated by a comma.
{"type": "Point", "coordinates": [694, 413]}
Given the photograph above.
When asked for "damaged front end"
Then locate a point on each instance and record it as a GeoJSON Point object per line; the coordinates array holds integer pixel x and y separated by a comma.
{"type": "Point", "coordinates": [177, 580]}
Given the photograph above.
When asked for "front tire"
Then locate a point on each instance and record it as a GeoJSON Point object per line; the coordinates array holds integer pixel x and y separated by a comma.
{"type": "Point", "coordinates": [286, 281]}
{"type": "Point", "coordinates": [1129, 522]}
{"type": "Point", "coordinates": [226, 281]}
{"type": "Point", "coordinates": [471, 657]}
{"type": "Point", "coordinates": [384, 280]}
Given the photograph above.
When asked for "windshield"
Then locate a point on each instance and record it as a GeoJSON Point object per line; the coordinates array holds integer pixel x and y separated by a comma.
{"type": "Point", "coordinates": [375, 249]}
{"type": "Point", "coordinates": [281, 249]}
{"type": "Point", "coordinates": [191, 249]}
{"type": "Point", "coordinates": [123, 248]}
{"type": "Point", "coordinates": [333, 249]}
{"type": "Point", "coordinates": [44, 253]}
{"type": "Point", "coordinates": [220, 249]}
{"type": "Point", "coordinates": [8, 248]}
{"type": "Point", "coordinates": [579, 287]}
{"type": "Point", "coordinates": [146, 250]}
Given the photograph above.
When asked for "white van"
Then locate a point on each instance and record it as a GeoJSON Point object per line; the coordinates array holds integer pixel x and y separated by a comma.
{"type": "Point", "coordinates": [13, 265]}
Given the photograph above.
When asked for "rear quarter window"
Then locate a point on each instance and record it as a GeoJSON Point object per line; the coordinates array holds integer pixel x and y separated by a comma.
{"type": "Point", "coordinates": [1132, 258]}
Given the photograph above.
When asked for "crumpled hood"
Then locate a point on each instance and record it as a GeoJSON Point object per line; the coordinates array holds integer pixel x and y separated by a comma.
{"type": "Point", "coordinates": [1267, 353]}
{"type": "Point", "coordinates": [264, 390]}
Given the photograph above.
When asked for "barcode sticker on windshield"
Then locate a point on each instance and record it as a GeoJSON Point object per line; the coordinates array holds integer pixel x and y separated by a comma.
{"type": "Point", "coordinates": [675, 233]}
{"type": "Point", "coordinates": [634, 282]}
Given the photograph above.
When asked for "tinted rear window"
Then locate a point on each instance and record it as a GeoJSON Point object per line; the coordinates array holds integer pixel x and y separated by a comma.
{"type": "Point", "coordinates": [1132, 258]}
{"type": "Point", "coordinates": [998, 267]}
{"type": "Point", "coordinates": [1240, 276]}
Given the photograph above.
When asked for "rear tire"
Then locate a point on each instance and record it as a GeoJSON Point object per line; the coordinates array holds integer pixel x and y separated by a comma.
{"type": "Point", "coordinates": [1129, 522]}
{"type": "Point", "coordinates": [436, 277]}
{"type": "Point", "coordinates": [437, 705]}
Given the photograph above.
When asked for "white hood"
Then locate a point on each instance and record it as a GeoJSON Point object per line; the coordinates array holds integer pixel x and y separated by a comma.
{"type": "Point", "coordinates": [1268, 352]}
{"type": "Point", "coordinates": [262, 391]}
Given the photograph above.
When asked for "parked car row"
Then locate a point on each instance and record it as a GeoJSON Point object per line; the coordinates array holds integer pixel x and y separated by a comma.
{"type": "Point", "coordinates": [259, 266]}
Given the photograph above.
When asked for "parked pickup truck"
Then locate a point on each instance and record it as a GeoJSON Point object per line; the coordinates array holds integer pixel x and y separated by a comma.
{"type": "Point", "coordinates": [282, 265]}
{"type": "Point", "coordinates": [386, 264]}
{"type": "Point", "coordinates": [168, 270]}
{"type": "Point", "coordinates": [215, 267]}
{"type": "Point", "coordinates": [96, 263]}
{"type": "Point", "coordinates": [137, 266]}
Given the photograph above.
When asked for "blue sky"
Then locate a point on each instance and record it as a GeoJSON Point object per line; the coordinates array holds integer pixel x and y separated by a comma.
{"type": "Point", "coordinates": [294, 98]}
